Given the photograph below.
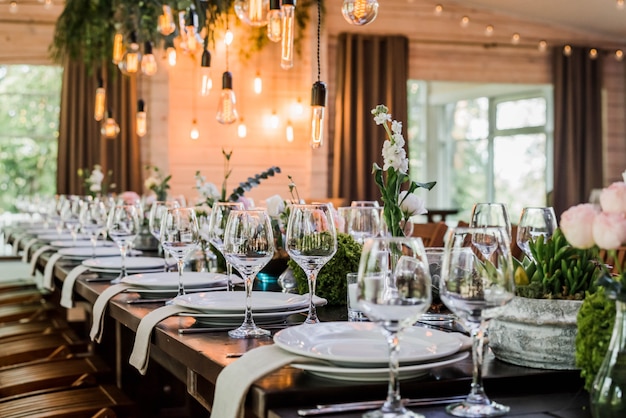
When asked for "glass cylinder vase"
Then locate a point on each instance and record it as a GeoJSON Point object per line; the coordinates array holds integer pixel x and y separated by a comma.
{"type": "Point", "coordinates": [608, 393]}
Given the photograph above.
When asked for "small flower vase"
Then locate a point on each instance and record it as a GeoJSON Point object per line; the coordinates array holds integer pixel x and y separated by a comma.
{"type": "Point", "coordinates": [608, 393]}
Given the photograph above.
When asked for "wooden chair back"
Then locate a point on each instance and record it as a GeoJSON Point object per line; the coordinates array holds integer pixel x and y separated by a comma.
{"type": "Point", "coordinates": [432, 233]}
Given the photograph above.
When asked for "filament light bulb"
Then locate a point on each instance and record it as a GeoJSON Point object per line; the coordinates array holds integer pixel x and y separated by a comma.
{"type": "Point", "coordinates": [165, 23]}
{"type": "Point", "coordinates": [194, 133]}
{"type": "Point", "coordinates": [252, 12]}
{"type": "Point", "coordinates": [148, 62]}
{"type": "Point", "coordinates": [242, 130]}
{"type": "Point", "coordinates": [171, 56]}
{"type": "Point", "coordinates": [191, 27]}
{"type": "Point", "coordinates": [289, 132]}
{"type": "Point", "coordinates": [98, 112]}
{"type": "Point", "coordinates": [228, 37]}
{"type": "Point", "coordinates": [258, 84]}
{"type": "Point", "coordinates": [13, 7]}
{"type": "Point", "coordinates": [205, 67]}
{"type": "Point", "coordinates": [141, 119]}
{"type": "Point", "coordinates": [130, 62]}
{"type": "Point", "coordinates": [226, 110]}
{"type": "Point", "coordinates": [274, 120]}
{"type": "Point", "coordinates": [110, 128]}
{"type": "Point", "coordinates": [288, 10]}
{"type": "Point", "coordinates": [118, 48]}
{"type": "Point", "coordinates": [274, 21]}
{"type": "Point", "coordinates": [318, 103]}
{"type": "Point", "coordinates": [359, 12]}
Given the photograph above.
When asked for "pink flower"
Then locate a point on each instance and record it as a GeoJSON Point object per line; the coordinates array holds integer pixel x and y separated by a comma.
{"type": "Point", "coordinates": [130, 198]}
{"type": "Point", "coordinates": [613, 198]}
{"type": "Point", "coordinates": [609, 230]}
{"type": "Point", "coordinates": [248, 202]}
{"type": "Point", "coordinates": [576, 224]}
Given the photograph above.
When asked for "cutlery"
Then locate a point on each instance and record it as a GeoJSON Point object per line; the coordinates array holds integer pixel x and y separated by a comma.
{"type": "Point", "coordinates": [361, 406]}
{"type": "Point", "coordinates": [197, 330]}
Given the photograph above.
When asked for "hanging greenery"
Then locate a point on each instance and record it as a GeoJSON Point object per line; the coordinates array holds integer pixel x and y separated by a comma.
{"type": "Point", "coordinates": [85, 29]}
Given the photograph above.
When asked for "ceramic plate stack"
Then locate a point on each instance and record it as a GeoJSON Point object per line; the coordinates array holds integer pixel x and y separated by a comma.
{"type": "Point", "coordinates": [357, 351]}
{"type": "Point", "coordinates": [83, 253]}
{"type": "Point", "coordinates": [81, 243]}
{"type": "Point", "coordinates": [163, 284]}
{"type": "Point", "coordinates": [63, 236]}
{"type": "Point", "coordinates": [134, 265]}
{"type": "Point", "coordinates": [227, 308]}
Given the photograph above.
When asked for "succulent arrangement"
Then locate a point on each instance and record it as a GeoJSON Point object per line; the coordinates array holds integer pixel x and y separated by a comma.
{"type": "Point", "coordinates": [558, 270]}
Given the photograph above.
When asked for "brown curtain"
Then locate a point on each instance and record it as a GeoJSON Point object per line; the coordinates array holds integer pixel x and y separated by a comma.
{"type": "Point", "coordinates": [80, 142]}
{"type": "Point", "coordinates": [577, 127]}
{"type": "Point", "coordinates": [371, 70]}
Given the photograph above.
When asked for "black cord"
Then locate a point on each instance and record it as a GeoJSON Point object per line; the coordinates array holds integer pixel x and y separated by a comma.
{"type": "Point", "coordinates": [319, 26]}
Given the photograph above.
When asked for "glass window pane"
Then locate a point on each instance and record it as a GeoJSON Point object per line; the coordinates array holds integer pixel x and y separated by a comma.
{"type": "Point", "coordinates": [521, 113]}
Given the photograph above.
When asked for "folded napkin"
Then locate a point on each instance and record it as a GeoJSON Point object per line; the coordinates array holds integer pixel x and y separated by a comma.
{"type": "Point", "coordinates": [48, 283]}
{"type": "Point", "coordinates": [100, 306]}
{"type": "Point", "coordinates": [35, 257]}
{"type": "Point", "coordinates": [27, 246]}
{"type": "Point", "coordinates": [141, 348]}
{"type": "Point", "coordinates": [235, 379]}
{"type": "Point", "coordinates": [16, 242]}
{"type": "Point", "coordinates": [67, 292]}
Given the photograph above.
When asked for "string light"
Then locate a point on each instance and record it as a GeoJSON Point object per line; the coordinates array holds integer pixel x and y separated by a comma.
{"type": "Point", "coordinates": [289, 132]}
{"type": "Point", "coordinates": [171, 55]}
{"type": "Point", "coordinates": [489, 30]}
{"type": "Point", "coordinates": [228, 37]}
{"type": "Point", "coordinates": [515, 38]}
{"type": "Point", "coordinates": [242, 130]}
{"type": "Point", "coordinates": [542, 46]}
{"type": "Point", "coordinates": [593, 53]}
{"type": "Point", "coordinates": [465, 20]}
{"type": "Point", "coordinates": [567, 50]}
{"type": "Point", "coordinates": [258, 84]}
{"type": "Point", "coordinates": [13, 6]}
{"type": "Point", "coordinates": [274, 120]}
{"type": "Point", "coordinates": [194, 133]}
{"type": "Point", "coordinates": [288, 10]}
{"type": "Point", "coordinates": [438, 10]}
{"type": "Point", "coordinates": [619, 55]}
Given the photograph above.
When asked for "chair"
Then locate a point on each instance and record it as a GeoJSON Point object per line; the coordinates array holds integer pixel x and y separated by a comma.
{"type": "Point", "coordinates": [33, 348]}
{"type": "Point", "coordinates": [432, 234]}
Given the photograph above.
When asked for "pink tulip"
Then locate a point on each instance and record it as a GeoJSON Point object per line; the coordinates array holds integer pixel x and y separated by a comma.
{"type": "Point", "coordinates": [576, 224]}
{"type": "Point", "coordinates": [609, 230]}
{"type": "Point", "coordinates": [613, 198]}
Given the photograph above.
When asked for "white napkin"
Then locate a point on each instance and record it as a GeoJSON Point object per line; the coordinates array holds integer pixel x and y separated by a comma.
{"type": "Point", "coordinates": [35, 257]}
{"type": "Point", "coordinates": [27, 246]}
{"type": "Point", "coordinates": [100, 306]}
{"type": "Point", "coordinates": [235, 379]}
{"type": "Point", "coordinates": [141, 348]}
{"type": "Point", "coordinates": [67, 292]}
{"type": "Point", "coordinates": [16, 243]}
{"type": "Point", "coordinates": [48, 283]}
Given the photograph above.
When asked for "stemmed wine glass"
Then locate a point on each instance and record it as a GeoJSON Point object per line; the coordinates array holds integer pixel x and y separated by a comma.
{"type": "Point", "coordinates": [217, 226]}
{"type": "Point", "coordinates": [93, 221]}
{"type": "Point", "coordinates": [180, 237]}
{"type": "Point", "coordinates": [311, 241]}
{"type": "Point", "coordinates": [489, 215]}
{"type": "Point", "coordinates": [70, 213]}
{"type": "Point", "coordinates": [157, 209]}
{"type": "Point", "coordinates": [534, 222]}
{"type": "Point", "coordinates": [364, 222]}
{"type": "Point", "coordinates": [248, 246]}
{"type": "Point", "coordinates": [394, 291]}
{"type": "Point", "coordinates": [473, 286]}
{"type": "Point", "coordinates": [123, 227]}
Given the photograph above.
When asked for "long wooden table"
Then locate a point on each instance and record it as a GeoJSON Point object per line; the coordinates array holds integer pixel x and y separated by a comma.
{"type": "Point", "coordinates": [197, 359]}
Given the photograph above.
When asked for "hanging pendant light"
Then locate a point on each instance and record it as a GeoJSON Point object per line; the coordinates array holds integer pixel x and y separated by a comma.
{"type": "Point", "coordinates": [258, 83]}
{"type": "Point", "coordinates": [359, 12]}
{"type": "Point", "coordinates": [226, 110]}
{"type": "Point", "coordinates": [318, 93]}
{"type": "Point", "coordinates": [148, 62]}
{"type": "Point", "coordinates": [194, 133]}
{"type": "Point", "coordinates": [141, 119]}
{"type": "Point", "coordinates": [274, 21]}
{"type": "Point", "coordinates": [130, 63]}
{"type": "Point", "coordinates": [289, 132]}
{"type": "Point", "coordinates": [242, 130]}
{"type": "Point", "coordinates": [165, 24]}
{"type": "Point", "coordinates": [252, 12]}
{"type": "Point", "coordinates": [205, 68]}
{"type": "Point", "coordinates": [118, 48]}
{"type": "Point", "coordinates": [98, 111]}
{"type": "Point", "coordinates": [289, 16]}
{"type": "Point", "coordinates": [191, 27]}
{"type": "Point", "coordinates": [110, 129]}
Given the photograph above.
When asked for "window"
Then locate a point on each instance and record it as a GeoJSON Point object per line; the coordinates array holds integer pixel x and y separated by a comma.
{"type": "Point", "coordinates": [29, 129]}
{"type": "Point", "coordinates": [481, 143]}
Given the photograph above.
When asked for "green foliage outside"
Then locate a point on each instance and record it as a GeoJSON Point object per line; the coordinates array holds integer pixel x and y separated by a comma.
{"type": "Point", "coordinates": [29, 129]}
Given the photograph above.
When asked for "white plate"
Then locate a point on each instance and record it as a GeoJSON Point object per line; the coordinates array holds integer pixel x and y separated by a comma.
{"type": "Point", "coordinates": [64, 236]}
{"type": "Point", "coordinates": [230, 302]}
{"type": "Point", "coordinates": [362, 344]}
{"type": "Point", "coordinates": [112, 264]}
{"type": "Point", "coordinates": [81, 253]}
{"type": "Point", "coordinates": [235, 319]}
{"type": "Point", "coordinates": [81, 243]}
{"type": "Point", "coordinates": [191, 279]}
{"type": "Point", "coordinates": [381, 374]}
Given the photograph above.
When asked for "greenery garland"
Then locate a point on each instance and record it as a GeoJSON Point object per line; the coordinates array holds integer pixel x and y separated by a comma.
{"type": "Point", "coordinates": [85, 29]}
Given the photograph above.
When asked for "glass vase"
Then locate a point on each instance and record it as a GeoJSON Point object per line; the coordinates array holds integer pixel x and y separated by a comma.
{"type": "Point", "coordinates": [608, 393]}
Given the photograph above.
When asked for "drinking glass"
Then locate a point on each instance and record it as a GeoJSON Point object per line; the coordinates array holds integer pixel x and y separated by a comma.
{"type": "Point", "coordinates": [217, 226]}
{"type": "Point", "coordinates": [364, 204]}
{"type": "Point", "coordinates": [364, 222]}
{"type": "Point", "coordinates": [93, 221]}
{"type": "Point", "coordinates": [248, 246]}
{"type": "Point", "coordinates": [489, 215]}
{"type": "Point", "coordinates": [70, 213]}
{"type": "Point", "coordinates": [534, 222]}
{"type": "Point", "coordinates": [123, 227]}
{"type": "Point", "coordinates": [311, 241]}
{"type": "Point", "coordinates": [157, 209]}
{"type": "Point", "coordinates": [394, 291]}
{"type": "Point", "coordinates": [180, 236]}
{"type": "Point", "coordinates": [473, 287]}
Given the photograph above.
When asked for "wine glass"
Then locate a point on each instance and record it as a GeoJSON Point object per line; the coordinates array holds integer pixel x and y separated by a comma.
{"type": "Point", "coordinates": [364, 204]}
{"type": "Point", "coordinates": [123, 227]}
{"type": "Point", "coordinates": [473, 286]}
{"type": "Point", "coordinates": [534, 222]}
{"type": "Point", "coordinates": [93, 221]}
{"type": "Point", "coordinates": [248, 246]}
{"type": "Point", "coordinates": [394, 291]}
{"type": "Point", "coordinates": [179, 235]}
{"type": "Point", "coordinates": [70, 213]}
{"type": "Point", "coordinates": [157, 209]}
{"type": "Point", "coordinates": [364, 222]}
{"type": "Point", "coordinates": [217, 226]}
{"type": "Point", "coordinates": [489, 215]}
{"type": "Point", "coordinates": [311, 241]}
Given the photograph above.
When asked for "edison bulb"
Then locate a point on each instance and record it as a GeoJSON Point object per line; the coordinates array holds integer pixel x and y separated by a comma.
{"type": "Point", "coordinates": [205, 68]}
{"type": "Point", "coordinates": [289, 132]}
{"type": "Point", "coordinates": [110, 128]}
{"type": "Point", "coordinates": [194, 133]}
{"type": "Point", "coordinates": [226, 110]}
{"type": "Point", "coordinates": [288, 11]}
{"type": "Point", "coordinates": [318, 102]}
{"type": "Point", "coordinates": [359, 12]}
{"type": "Point", "coordinates": [258, 84]}
{"type": "Point", "coordinates": [165, 24]}
{"type": "Point", "coordinates": [242, 130]}
{"type": "Point", "coordinates": [118, 48]}
{"type": "Point", "coordinates": [171, 56]}
{"type": "Point", "coordinates": [141, 119]}
{"type": "Point", "coordinates": [131, 60]}
{"type": "Point", "coordinates": [252, 12]}
{"type": "Point", "coordinates": [148, 62]}
{"type": "Point", "coordinates": [274, 21]}
{"type": "Point", "coordinates": [98, 112]}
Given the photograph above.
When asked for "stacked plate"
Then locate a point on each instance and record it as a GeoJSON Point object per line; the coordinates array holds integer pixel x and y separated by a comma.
{"type": "Point", "coordinates": [358, 351]}
{"type": "Point", "coordinates": [134, 265]}
{"type": "Point", "coordinates": [81, 243]}
{"type": "Point", "coordinates": [227, 308]}
{"type": "Point", "coordinates": [82, 253]}
{"type": "Point", "coordinates": [63, 236]}
{"type": "Point", "coordinates": [162, 284]}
